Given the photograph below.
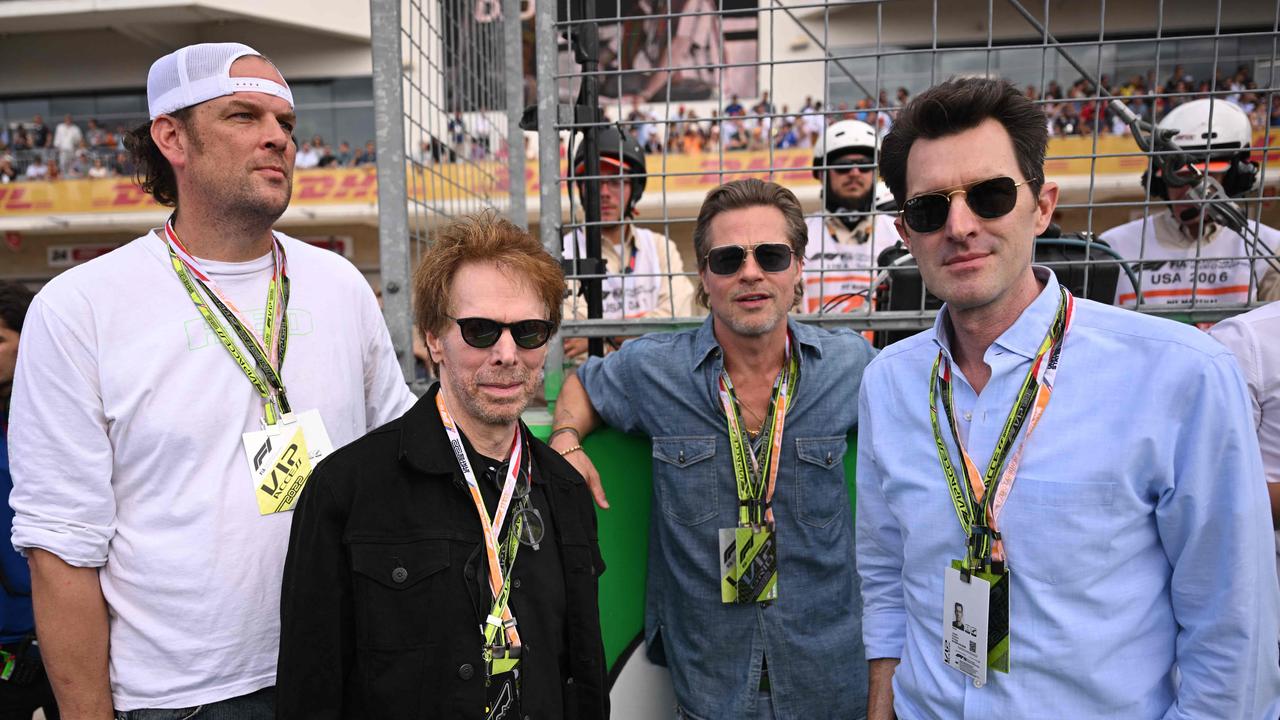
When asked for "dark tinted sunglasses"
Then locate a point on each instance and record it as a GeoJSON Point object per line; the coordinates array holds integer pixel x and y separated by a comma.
{"type": "Point", "coordinates": [481, 332]}
{"type": "Point", "coordinates": [728, 259]}
{"type": "Point", "coordinates": [987, 199]}
{"type": "Point", "coordinates": [848, 164]}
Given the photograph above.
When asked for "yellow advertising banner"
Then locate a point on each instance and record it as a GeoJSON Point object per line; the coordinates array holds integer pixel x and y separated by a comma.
{"type": "Point", "coordinates": [1104, 155]}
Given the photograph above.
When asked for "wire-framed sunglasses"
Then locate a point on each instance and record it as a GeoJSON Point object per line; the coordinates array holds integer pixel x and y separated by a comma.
{"type": "Point", "coordinates": [728, 259]}
{"type": "Point", "coordinates": [988, 199]}
{"type": "Point", "coordinates": [479, 332]}
{"type": "Point", "coordinates": [532, 528]}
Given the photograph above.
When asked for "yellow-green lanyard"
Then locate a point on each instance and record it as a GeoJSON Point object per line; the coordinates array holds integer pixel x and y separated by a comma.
{"type": "Point", "coordinates": [973, 501]}
{"type": "Point", "coordinates": [277, 301]}
{"type": "Point", "coordinates": [756, 479]}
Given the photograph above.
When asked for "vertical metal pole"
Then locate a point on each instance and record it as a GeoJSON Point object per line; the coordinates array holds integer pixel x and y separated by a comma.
{"type": "Point", "coordinates": [393, 211]}
{"type": "Point", "coordinates": [514, 51]}
{"type": "Point", "coordinates": [587, 46]}
{"type": "Point", "coordinates": [549, 169]}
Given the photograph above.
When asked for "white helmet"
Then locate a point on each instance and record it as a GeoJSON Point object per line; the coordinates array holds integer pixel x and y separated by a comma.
{"type": "Point", "coordinates": [1229, 130]}
{"type": "Point", "coordinates": [843, 136]}
{"type": "Point", "coordinates": [1217, 136]}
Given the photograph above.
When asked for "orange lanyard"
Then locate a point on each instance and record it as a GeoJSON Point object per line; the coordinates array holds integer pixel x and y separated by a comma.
{"type": "Point", "coordinates": [499, 582]}
{"type": "Point", "coordinates": [982, 526]}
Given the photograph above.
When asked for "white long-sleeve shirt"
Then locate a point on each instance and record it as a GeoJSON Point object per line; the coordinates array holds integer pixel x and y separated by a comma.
{"type": "Point", "coordinates": [125, 447]}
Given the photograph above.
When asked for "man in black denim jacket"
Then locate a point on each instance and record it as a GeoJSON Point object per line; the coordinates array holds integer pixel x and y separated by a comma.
{"type": "Point", "coordinates": [390, 606]}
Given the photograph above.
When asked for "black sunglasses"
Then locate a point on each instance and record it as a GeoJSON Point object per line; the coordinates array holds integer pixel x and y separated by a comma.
{"type": "Point", "coordinates": [848, 164]}
{"type": "Point", "coordinates": [481, 332]}
{"type": "Point", "coordinates": [728, 259]}
{"type": "Point", "coordinates": [986, 198]}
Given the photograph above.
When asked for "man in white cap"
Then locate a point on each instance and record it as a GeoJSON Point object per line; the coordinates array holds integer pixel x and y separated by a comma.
{"type": "Point", "coordinates": [159, 434]}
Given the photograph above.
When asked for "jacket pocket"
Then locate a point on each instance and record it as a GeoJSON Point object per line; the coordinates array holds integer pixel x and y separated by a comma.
{"type": "Point", "coordinates": [394, 584]}
{"type": "Point", "coordinates": [394, 683]}
{"type": "Point", "coordinates": [821, 489]}
{"type": "Point", "coordinates": [685, 478]}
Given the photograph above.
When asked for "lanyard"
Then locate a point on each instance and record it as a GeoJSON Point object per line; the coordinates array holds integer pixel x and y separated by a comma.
{"type": "Point", "coordinates": [635, 248]}
{"type": "Point", "coordinates": [977, 509]}
{"type": "Point", "coordinates": [755, 477]}
{"type": "Point", "coordinates": [502, 555]}
{"type": "Point", "coordinates": [269, 359]}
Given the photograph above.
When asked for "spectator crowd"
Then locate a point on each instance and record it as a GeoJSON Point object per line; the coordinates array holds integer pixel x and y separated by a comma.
{"type": "Point", "coordinates": [34, 151]}
{"type": "Point", "coordinates": [1077, 110]}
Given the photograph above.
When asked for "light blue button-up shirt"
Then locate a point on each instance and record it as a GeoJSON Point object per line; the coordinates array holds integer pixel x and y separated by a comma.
{"type": "Point", "coordinates": [1137, 532]}
{"type": "Point", "coordinates": [666, 386]}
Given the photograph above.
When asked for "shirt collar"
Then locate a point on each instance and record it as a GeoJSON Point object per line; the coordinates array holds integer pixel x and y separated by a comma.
{"type": "Point", "coordinates": [705, 344]}
{"type": "Point", "coordinates": [1027, 332]}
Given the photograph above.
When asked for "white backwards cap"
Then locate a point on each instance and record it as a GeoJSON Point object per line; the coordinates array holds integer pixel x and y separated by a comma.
{"type": "Point", "coordinates": [196, 73]}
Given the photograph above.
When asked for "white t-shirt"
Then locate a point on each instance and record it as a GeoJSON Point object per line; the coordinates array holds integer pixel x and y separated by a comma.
{"type": "Point", "coordinates": [306, 158]}
{"type": "Point", "coordinates": [634, 290]}
{"type": "Point", "coordinates": [839, 263]}
{"type": "Point", "coordinates": [1254, 337]}
{"type": "Point", "coordinates": [125, 447]}
{"type": "Point", "coordinates": [1170, 270]}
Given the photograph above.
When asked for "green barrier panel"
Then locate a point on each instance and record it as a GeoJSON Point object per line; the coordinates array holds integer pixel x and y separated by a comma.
{"type": "Point", "coordinates": [625, 463]}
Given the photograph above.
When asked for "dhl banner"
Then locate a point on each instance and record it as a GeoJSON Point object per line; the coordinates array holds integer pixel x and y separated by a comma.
{"type": "Point", "coordinates": [1105, 155]}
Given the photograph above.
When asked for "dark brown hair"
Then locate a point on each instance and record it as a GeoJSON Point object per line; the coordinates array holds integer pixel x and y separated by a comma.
{"type": "Point", "coordinates": [151, 168]}
{"type": "Point", "coordinates": [741, 194]}
{"type": "Point", "coordinates": [483, 237]}
{"type": "Point", "coordinates": [961, 104]}
{"type": "Point", "coordinates": [15, 298]}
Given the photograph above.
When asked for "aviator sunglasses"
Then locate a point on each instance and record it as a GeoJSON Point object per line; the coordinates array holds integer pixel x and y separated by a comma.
{"type": "Point", "coordinates": [728, 259]}
{"type": "Point", "coordinates": [482, 333]}
{"type": "Point", "coordinates": [987, 199]}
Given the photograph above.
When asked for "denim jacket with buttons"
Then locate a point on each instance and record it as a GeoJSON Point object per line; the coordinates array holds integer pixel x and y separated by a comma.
{"type": "Point", "coordinates": [666, 386]}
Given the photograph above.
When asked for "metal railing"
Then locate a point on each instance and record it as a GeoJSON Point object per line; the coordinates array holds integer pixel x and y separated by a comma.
{"type": "Point", "coordinates": [447, 107]}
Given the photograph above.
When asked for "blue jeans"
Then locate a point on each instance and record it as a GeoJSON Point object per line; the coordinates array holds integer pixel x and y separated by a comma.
{"type": "Point", "coordinates": [260, 705]}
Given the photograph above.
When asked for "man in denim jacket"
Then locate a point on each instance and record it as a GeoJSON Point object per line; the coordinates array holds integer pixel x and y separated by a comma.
{"type": "Point", "coordinates": [725, 463]}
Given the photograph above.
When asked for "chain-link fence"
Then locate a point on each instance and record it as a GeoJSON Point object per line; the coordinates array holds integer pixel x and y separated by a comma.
{"type": "Point", "coordinates": [448, 93]}
{"type": "Point", "coordinates": [687, 94]}
{"type": "Point", "coordinates": [710, 91]}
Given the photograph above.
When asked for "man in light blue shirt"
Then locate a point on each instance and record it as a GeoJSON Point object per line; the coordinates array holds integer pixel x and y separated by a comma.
{"type": "Point", "coordinates": [1134, 531]}
{"type": "Point", "coordinates": [797, 652]}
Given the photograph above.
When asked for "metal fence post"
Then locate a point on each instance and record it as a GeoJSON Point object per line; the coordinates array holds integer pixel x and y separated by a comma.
{"type": "Point", "coordinates": [393, 213]}
{"type": "Point", "coordinates": [514, 56]}
{"type": "Point", "coordinates": [549, 169]}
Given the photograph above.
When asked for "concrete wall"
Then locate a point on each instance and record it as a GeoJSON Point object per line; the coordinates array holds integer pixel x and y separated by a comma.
{"type": "Point", "coordinates": [324, 39]}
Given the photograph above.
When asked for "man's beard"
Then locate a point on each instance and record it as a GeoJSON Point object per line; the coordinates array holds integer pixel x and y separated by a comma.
{"type": "Point", "coordinates": [498, 413]}
{"type": "Point", "coordinates": [841, 205]}
{"type": "Point", "coordinates": [248, 207]}
{"type": "Point", "coordinates": [755, 327]}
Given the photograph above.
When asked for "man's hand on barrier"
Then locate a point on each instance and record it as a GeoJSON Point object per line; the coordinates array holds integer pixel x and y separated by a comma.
{"type": "Point", "coordinates": [569, 445]}
{"type": "Point", "coordinates": [575, 347]}
{"type": "Point", "coordinates": [574, 419]}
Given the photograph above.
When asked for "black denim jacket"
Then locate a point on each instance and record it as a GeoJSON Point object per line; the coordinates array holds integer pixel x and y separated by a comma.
{"type": "Point", "coordinates": [379, 618]}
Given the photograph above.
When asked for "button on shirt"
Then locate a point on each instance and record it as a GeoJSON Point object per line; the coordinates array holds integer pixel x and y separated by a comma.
{"type": "Point", "coordinates": [1136, 532]}
{"type": "Point", "coordinates": [666, 386]}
